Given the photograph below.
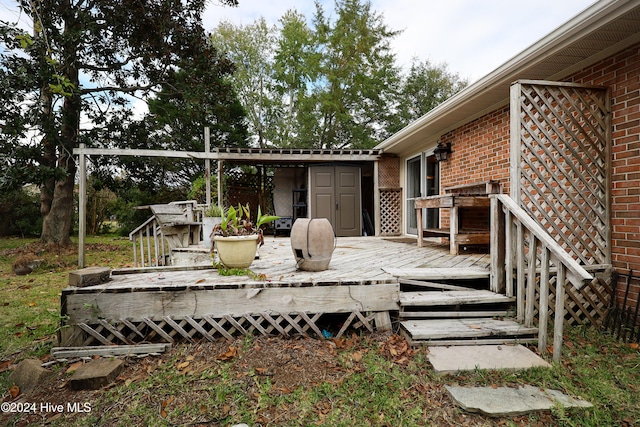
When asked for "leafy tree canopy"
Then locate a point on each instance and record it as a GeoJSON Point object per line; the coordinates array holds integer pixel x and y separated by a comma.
{"type": "Point", "coordinates": [329, 83]}
{"type": "Point", "coordinates": [72, 77]}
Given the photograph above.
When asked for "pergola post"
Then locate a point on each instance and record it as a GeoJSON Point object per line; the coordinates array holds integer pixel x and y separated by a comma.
{"type": "Point", "coordinates": [82, 207]}
{"type": "Point", "coordinates": [207, 164]}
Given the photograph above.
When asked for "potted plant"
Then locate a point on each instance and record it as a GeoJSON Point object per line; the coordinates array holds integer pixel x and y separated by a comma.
{"type": "Point", "coordinates": [237, 238]}
{"type": "Point", "coordinates": [211, 216]}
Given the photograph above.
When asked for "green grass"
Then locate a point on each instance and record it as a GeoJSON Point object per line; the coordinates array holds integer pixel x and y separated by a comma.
{"type": "Point", "coordinates": [371, 390]}
{"type": "Point", "coordinates": [30, 304]}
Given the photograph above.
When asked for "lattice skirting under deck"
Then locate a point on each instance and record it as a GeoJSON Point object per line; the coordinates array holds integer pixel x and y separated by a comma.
{"type": "Point", "coordinates": [170, 330]}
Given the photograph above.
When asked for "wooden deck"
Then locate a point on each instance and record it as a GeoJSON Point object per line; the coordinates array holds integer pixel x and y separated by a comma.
{"type": "Point", "coordinates": [163, 304]}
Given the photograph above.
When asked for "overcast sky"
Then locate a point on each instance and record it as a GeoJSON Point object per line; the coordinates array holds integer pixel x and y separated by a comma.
{"type": "Point", "coordinates": [473, 37]}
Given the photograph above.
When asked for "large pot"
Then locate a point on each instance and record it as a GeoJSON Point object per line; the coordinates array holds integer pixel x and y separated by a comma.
{"type": "Point", "coordinates": [312, 242]}
{"type": "Point", "coordinates": [236, 251]}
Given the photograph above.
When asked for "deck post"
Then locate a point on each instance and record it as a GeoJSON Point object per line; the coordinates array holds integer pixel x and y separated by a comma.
{"type": "Point", "coordinates": [497, 247]}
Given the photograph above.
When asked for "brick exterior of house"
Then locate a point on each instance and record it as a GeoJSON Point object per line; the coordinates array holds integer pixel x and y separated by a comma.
{"type": "Point", "coordinates": [481, 152]}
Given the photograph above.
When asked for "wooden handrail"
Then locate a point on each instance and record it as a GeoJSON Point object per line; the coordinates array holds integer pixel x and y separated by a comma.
{"type": "Point", "coordinates": [577, 274]}
{"type": "Point", "coordinates": [142, 241]}
{"type": "Point", "coordinates": [529, 261]}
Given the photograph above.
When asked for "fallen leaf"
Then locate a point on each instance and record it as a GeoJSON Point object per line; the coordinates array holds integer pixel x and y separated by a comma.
{"type": "Point", "coordinates": [14, 391]}
{"type": "Point", "coordinates": [74, 367]}
{"type": "Point", "coordinates": [356, 356]}
{"type": "Point", "coordinates": [189, 358]}
{"type": "Point", "coordinates": [4, 366]}
{"type": "Point", "coordinates": [229, 354]}
{"type": "Point", "coordinates": [182, 365]}
{"type": "Point", "coordinates": [634, 345]}
{"type": "Point", "coordinates": [32, 304]}
{"type": "Point", "coordinates": [475, 327]}
{"type": "Point", "coordinates": [128, 382]}
{"type": "Point", "coordinates": [200, 281]}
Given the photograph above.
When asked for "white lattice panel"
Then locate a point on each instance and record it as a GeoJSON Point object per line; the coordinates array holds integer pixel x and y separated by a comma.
{"type": "Point", "coordinates": [561, 150]}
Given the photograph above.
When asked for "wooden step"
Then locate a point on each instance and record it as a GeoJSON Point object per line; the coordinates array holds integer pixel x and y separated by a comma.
{"type": "Point", "coordinates": [466, 331]}
{"type": "Point", "coordinates": [442, 314]}
{"type": "Point", "coordinates": [431, 285]}
{"type": "Point", "coordinates": [447, 298]}
{"type": "Point", "coordinates": [448, 273]}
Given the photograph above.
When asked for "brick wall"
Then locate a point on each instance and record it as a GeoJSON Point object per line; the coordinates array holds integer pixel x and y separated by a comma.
{"type": "Point", "coordinates": [621, 73]}
{"type": "Point", "coordinates": [480, 151]}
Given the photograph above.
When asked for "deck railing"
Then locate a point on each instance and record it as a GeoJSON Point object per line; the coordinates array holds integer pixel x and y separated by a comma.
{"type": "Point", "coordinates": [148, 244]}
{"type": "Point", "coordinates": [523, 252]}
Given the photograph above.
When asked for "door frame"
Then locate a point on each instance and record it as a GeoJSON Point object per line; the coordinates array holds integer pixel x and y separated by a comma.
{"type": "Point", "coordinates": [410, 213]}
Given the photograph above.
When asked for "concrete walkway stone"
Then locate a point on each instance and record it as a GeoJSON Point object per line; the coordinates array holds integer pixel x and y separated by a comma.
{"type": "Point", "coordinates": [509, 401]}
{"type": "Point", "coordinates": [96, 374]}
{"type": "Point", "coordinates": [29, 374]}
{"type": "Point", "coordinates": [465, 358]}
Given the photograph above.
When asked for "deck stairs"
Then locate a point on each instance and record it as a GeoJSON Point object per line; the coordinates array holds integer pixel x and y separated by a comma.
{"type": "Point", "coordinates": [454, 307]}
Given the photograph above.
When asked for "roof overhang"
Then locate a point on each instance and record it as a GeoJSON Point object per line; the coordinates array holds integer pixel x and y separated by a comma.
{"type": "Point", "coordinates": [601, 30]}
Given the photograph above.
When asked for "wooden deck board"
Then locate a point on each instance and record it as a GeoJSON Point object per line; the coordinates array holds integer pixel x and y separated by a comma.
{"type": "Point", "coordinates": [361, 260]}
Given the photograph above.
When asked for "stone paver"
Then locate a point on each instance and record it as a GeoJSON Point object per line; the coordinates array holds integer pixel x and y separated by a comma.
{"type": "Point", "coordinates": [29, 374]}
{"type": "Point", "coordinates": [464, 358]}
{"type": "Point", "coordinates": [96, 374]}
{"type": "Point", "coordinates": [511, 401]}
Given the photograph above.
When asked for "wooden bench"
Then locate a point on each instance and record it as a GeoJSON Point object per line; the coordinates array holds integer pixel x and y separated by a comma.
{"type": "Point", "coordinates": [177, 224]}
{"type": "Point", "coordinates": [473, 195]}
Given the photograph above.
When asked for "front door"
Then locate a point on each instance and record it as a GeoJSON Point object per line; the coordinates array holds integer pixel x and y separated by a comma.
{"type": "Point", "coordinates": [335, 195]}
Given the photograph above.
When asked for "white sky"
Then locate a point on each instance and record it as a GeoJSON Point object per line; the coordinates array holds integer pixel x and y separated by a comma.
{"type": "Point", "coordinates": [473, 37]}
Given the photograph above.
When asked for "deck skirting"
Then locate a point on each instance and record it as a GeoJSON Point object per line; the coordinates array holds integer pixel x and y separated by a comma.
{"type": "Point", "coordinates": [118, 317]}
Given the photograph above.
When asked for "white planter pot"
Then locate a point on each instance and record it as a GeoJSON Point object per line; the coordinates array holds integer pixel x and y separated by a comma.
{"type": "Point", "coordinates": [208, 222]}
{"type": "Point", "coordinates": [312, 242]}
{"type": "Point", "coordinates": [236, 251]}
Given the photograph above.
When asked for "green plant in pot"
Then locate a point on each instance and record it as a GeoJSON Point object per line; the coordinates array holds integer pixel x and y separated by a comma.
{"type": "Point", "coordinates": [237, 237]}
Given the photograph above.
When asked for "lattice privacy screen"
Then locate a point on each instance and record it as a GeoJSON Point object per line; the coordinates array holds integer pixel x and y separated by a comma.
{"type": "Point", "coordinates": [390, 212]}
{"type": "Point", "coordinates": [561, 153]}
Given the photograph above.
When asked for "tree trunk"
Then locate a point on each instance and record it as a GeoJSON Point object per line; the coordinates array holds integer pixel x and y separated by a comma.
{"type": "Point", "coordinates": [56, 223]}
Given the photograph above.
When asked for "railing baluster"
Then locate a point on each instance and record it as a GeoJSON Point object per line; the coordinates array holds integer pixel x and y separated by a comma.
{"type": "Point", "coordinates": [543, 311]}
{"type": "Point", "coordinates": [531, 280]}
{"type": "Point", "coordinates": [135, 252]}
{"type": "Point", "coordinates": [509, 240]}
{"type": "Point", "coordinates": [520, 273]}
{"type": "Point", "coordinates": [141, 248]}
{"type": "Point", "coordinates": [558, 323]}
{"type": "Point", "coordinates": [149, 247]}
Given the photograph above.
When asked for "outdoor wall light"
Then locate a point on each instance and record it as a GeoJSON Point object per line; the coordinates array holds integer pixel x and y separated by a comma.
{"type": "Point", "coordinates": [442, 151]}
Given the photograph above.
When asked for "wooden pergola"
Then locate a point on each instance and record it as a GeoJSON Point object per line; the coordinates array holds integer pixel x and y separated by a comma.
{"type": "Point", "coordinates": [221, 155]}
